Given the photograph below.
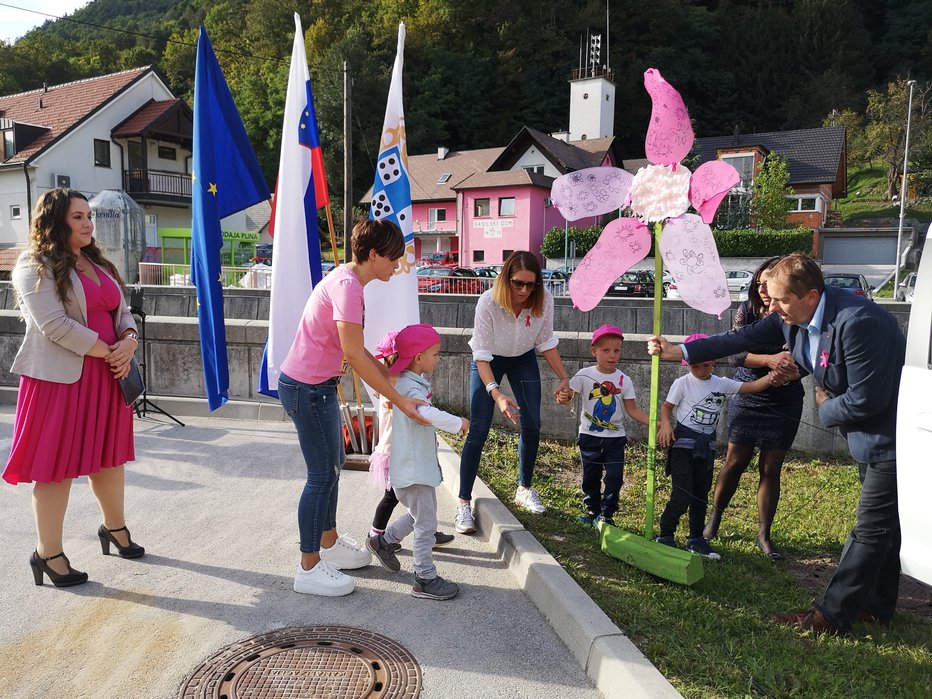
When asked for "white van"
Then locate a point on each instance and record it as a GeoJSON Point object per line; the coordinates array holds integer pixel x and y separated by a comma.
{"type": "Point", "coordinates": [914, 432]}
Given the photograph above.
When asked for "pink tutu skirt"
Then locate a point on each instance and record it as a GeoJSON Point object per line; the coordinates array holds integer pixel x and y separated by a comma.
{"type": "Point", "coordinates": [378, 470]}
{"type": "Point", "coordinates": [64, 430]}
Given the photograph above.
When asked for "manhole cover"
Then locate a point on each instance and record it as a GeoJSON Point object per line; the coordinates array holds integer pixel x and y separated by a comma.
{"type": "Point", "coordinates": [336, 662]}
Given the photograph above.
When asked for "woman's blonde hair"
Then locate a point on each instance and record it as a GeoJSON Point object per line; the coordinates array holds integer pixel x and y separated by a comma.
{"type": "Point", "coordinates": [48, 241]}
{"type": "Point", "coordinates": [519, 261]}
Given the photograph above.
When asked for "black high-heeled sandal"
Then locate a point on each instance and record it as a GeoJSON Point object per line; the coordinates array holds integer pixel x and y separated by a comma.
{"type": "Point", "coordinates": [40, 566]}
{"type": "Point", "coordinates": [106, 538]}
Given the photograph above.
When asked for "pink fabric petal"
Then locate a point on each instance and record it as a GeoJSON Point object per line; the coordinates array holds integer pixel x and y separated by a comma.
{"type": "Point", "coordinates": [590, 192]}
{"type": "Point", "coordinates": [689, 252]}
{"type": "Point", "coordinates": [710, 183]}
{"type": "Point", "coordinates": [624, 242]}
{"type": "Point", "coordinates": [669, 134]}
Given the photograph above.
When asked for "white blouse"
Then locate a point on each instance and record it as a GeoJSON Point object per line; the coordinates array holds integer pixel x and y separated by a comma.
{"type": "Point", "coordinates": [498, 332]}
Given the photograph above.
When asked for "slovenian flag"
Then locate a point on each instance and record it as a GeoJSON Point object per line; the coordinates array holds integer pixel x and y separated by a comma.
{"type": "Point", "coordinates": [300, 191]}
{"type": "Point", "coordinates": [393, 305]}
{"type": "Point", "coordinates": [226, 178]}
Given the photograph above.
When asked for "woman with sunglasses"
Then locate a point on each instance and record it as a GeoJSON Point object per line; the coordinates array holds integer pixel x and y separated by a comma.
{"type": "Point", "coordinates": [766, 421]}
{"type": "Point", "coordinates": [514, 321]}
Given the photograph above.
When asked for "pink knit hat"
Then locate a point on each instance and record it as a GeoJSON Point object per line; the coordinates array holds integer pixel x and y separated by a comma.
{"type": "Point", "coordinates": [694, 336]}
{"type": "Point", "coordinates": [410, 341]}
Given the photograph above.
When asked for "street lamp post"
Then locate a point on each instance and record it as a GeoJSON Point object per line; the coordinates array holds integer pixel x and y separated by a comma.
{"type": "Point", "coordinates": [899, 232]}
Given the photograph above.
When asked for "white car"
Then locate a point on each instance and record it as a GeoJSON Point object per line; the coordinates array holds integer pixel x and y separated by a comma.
{"type": "Point", "coordinates": [907, 288]}
{"type": "Point", "coordinates": [738, 280]}
{"type": "Point", "coordinates": [914, 433]}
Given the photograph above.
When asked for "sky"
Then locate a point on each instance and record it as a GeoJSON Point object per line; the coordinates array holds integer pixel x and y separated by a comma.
{"type": "Point", "coordinates": [16, 22]}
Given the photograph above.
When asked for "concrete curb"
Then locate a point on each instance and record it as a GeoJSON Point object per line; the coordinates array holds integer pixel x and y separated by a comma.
{"type": "Point", "coordinates": [613, 663]}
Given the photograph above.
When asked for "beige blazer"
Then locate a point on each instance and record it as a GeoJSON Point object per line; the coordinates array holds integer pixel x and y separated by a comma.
{"type": "Point", "coordinates": [57, 336]}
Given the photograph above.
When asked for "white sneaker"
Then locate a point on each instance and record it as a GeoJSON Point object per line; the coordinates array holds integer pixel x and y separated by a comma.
{"type": "Point", "coordinates": [323, 580]}
{"type": "Point", "coordinates": [346, 554]}
{"type": "Point", "coordinates": [463, 520]}
{"type": "Point", "coordinates": [530, 501]}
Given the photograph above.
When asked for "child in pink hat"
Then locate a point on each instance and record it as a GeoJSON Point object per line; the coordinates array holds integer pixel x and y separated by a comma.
{"type": "Point", "coordinates": [380, 459]}
{"type": "Point", "coordinates": [414, 470]}
{"type": "Point", "coordinates": [604, 389]}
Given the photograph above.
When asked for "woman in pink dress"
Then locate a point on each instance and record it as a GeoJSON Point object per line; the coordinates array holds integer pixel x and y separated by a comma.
{"type": "Point", "coordinates": [70, 416]}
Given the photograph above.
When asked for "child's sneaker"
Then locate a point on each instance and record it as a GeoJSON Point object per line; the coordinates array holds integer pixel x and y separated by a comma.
{"type": "Point", "coordinates": [529, 500]}
{"type": "Point", "coordinates": [323, 580]}
{"type": "Point", "coordinates": [605, 519]}
{"type": "Point", "coordinates": [345, 554]}
{"type": "Point", "coordinates": [463, 520]}
{"type": "Point", "coordinates": [384, 552]}
{"type": "Point", "coordinates": [587, 519]}
{"type": "Point", "coordinates": [441, 539]}
{"type": "Point", "coordinates": [666, 541]}
{"type": "Point", "coordinates": [701, 547]}
{"type": "Point", "coordinates": [435, 588]}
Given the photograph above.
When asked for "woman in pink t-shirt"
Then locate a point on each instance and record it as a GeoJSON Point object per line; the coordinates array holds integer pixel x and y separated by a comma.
{"type": "Point", "coordinates": [329, 337]}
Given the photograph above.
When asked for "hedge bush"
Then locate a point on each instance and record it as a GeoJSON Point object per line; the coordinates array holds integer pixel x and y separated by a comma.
{"type": "Point", "coordinates": [732, 243]}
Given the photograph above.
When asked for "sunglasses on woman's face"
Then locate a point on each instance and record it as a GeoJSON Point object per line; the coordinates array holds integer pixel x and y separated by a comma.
{"type": "Point", "coordinates": [517, 285]}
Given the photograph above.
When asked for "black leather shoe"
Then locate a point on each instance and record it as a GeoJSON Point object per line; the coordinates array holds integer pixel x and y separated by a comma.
{"type": "Point", "coordinates": [40, 566]}
{"type": "Point", "coordinates": [106, 538]}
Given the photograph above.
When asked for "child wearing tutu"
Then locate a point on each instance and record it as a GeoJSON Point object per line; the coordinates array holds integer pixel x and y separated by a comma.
{"type": "Point", "coordinates": [414, 470]}
{"type": "Point", "coordinates": [379, 460]}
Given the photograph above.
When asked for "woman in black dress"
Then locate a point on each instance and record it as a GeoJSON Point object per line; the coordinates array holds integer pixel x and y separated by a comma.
{"type": "Point", "coordinates": [767, 421]}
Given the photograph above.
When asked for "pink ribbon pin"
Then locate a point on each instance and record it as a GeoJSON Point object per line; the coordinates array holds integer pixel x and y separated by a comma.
{"type": "Point", "coordinates": [824, 361]}
{"type": "Point", "coordinates": [527, 321]}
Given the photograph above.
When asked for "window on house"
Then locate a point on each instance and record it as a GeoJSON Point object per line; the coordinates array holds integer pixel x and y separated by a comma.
{"type": "Point", "coordinates": [744, 164]}
{"type": "Point", "coordinates": [15, 212]}
{"type": "Point", "coordinates": [478, 255]}
{"type": "Point", "coordinates": [805, 204]}
{"type": "Point", "coordinates": [534, 169]}
{"type": "Point", "coordinates": [506, 254]}
{"type": "Point", "coordinates": [168, 153]}
{"type": "Point", "coordinates": [9, 146]}
{"type": "Point", "coordinates": [434, 215]}
{"type": "Point", "coordinates": [101, 153]}
{"type": "Point", "coordinates": [506, 206]}
{"type": "Point", "coordinates": [482, 208]}
{"type": "Point", "coordinates": [444, 178]}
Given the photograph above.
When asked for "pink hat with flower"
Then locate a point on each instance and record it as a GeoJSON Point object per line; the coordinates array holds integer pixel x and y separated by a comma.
{"type": "Point", "coordinates": [694, 336]}
{"type": "Point", "coordinates": [386, 346]}
{"type": "Point", "coordinates": [411, 341]}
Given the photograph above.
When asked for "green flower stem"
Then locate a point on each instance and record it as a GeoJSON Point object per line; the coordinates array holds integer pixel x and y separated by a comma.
{"type": "Point", "coordinates": [654, 388]}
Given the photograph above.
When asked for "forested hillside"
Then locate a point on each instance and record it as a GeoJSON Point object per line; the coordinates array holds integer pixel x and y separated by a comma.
{"type": "Point", "coordinates": [476, 71]}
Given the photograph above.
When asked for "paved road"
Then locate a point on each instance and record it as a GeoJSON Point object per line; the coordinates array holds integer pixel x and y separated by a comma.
{"type": "Point", "coordinates": [214, 504]}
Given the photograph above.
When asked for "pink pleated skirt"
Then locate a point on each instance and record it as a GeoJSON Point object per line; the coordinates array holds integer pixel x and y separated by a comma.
{"type": "Point", "coordinates": [64, 431]}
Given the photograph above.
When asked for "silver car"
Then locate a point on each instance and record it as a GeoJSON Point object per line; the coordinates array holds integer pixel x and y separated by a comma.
{"type": "Point", "coordinates": [907, 288]}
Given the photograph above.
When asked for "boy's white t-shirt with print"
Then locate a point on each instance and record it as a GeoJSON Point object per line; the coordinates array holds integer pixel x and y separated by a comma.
{"type": "Point", "coordinates": [699, 403]}
{"type": "Point", "coordinates": [603, 397]}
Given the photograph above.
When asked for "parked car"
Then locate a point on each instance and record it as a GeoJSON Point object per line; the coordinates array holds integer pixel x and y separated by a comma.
{"type": "Point", "coordinates": [738, 280]}
{"type": "Point", "coordinates": [449, 280]}
{"type": "Point", "coordinates": [263, 254]}
{"type": "Point", "coordinates": [907, 288]}
{"type": "Point", "coordinates": [671, 291]}
{"type": "Point", "coordinates": [327, 267]}
{"type": "Point", "coordinates": [635, 283]}
{"type": "Point", "coordinates": [914, 433]}
{"type": "Point", "coordinates": [486, 272]}
{"type": "Point", "coordinates": [444, 257]}
{"type": "Point", "coordinates": [555, 281]}
{"type": "Point", "coordinates": [850, 281]}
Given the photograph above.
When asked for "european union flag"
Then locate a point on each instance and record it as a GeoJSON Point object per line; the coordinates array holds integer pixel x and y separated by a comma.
{"type": "Point", "coordinates": [225, 179]}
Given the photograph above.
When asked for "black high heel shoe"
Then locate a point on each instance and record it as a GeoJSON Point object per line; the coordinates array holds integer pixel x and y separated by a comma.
{"type": "Point", "coordinates": [106, 538]}
{"type": "Point", "coordinates": [39, 566]}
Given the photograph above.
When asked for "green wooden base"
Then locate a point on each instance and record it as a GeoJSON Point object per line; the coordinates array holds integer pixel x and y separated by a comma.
{"type": "Point", "coordinates": [675, 565]}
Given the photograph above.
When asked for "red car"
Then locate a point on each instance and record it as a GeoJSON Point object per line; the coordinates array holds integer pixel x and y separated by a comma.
{"type": "Point", "coordinates": [446, 259]}
{"type": "Point", "coordinates": [449, 280]}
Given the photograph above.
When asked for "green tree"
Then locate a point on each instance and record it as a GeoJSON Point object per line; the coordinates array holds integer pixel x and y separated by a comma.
{"type": "Point", "coordinates": [769, 194]}
{"type": "Point", "coordinates": [585, 238]}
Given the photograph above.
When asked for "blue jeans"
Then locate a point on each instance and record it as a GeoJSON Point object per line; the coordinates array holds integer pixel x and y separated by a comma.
{"type": "Point", "coordinates": [524, 376]}
{"type": "Point", "coordinates": [316, 415]}
{"type": "Point", "coordinates": [601, 455]}
{"type": "Point", "coordinates": [868, 573]}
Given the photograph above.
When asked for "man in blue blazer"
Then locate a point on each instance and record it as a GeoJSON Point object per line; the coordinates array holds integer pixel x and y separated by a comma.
{"type": "Point", "coordinates": [855, 353]}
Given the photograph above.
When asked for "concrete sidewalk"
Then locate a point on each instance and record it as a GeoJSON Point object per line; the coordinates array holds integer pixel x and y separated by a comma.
{"type": "Point", "coordinates": [214, 505]}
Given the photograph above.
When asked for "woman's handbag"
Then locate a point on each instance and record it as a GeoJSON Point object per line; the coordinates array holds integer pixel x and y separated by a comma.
{"type": "Point", "coordinates": [132, 386]}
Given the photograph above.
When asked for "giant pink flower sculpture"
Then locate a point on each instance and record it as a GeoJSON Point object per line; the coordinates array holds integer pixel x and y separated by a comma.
{"type": "Point", "coordinates": [659, 194]}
